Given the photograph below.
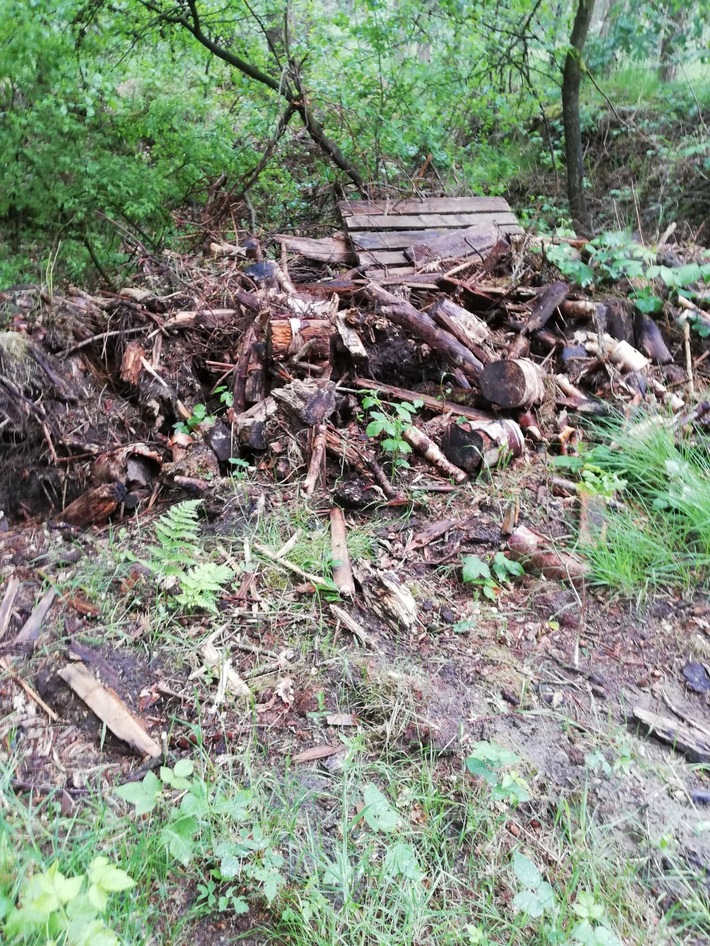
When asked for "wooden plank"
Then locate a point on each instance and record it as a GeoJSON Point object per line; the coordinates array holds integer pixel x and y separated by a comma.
{"type": "Point", "coordinates": [427, 221]}
{"type": "Point", "coordinates": [440, 205]}
{"type": "Point", "coordinates": [383, 258]}
{"type": "Point", "coordinates": [328, 250]}
{"type": "Point", "coordinates": [456, 244]}
{"type": "Point", "coordinates": [379, 274]}
{"type": "Point", "coordinates": [402, 239]}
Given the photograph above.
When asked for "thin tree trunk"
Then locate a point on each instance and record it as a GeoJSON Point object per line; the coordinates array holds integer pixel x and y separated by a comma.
{"type": "Point", "coordinates": [671, 42]}
{"type": "Point", "coordinates": [570, 114]}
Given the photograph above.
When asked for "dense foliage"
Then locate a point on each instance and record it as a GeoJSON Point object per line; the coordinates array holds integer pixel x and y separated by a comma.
{"type": "Point", "coordinates": [118, 124]}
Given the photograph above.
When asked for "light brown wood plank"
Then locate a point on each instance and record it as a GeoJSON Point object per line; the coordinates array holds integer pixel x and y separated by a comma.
{"type": "Point", "coordinates": [383, 258]}
{"type": "Point", "coordinates": [428, 221]}
{"type": "Point", "coordinates": [390, 271]}
{"type": "Point", "coordinates": [440, 205]}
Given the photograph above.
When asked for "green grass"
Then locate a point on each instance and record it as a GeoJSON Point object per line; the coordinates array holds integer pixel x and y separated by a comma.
{"type": "Point", "coordinates": [660, 539]}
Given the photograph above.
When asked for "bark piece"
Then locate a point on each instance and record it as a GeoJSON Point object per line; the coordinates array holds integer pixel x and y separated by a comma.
{"type": "Point", "coordinates": [110, 709]}
{"type": "Point", "coordinates": [515, 383]}
{"type": "Point", "coordinates": [315, 467]}
{"type": "Point", "coordinates": [250, 424]}
{"type": "Point", "coordinates": [403, 314]}
{"type": "Point", "coordinates": [533, 550]}
{"type": "Point", "coordinates": [94, 506]}
{"type": "Point", "coordinates": [132, 363]}
{"type": "Point", "coordinates": [475, 444]}
{"type": "Point", "coordinates": [619, 321]}
{"type": "Point", "coordinates": [30, 631]}
{"type": "Point", "coordinates": [544, 306]}
{"type": "Point", "coordinates": [690, 740]}
{"type": "Point", "coordinates": [355, 628]}
{"type": "Point", "coordinates": [429, 450]}
{"type": "Point", "coordinates": [342, 571]}
{"type": "Point", "coordinates": [315, 753]}
{"type": "Point", "coordinates": [649, 339]}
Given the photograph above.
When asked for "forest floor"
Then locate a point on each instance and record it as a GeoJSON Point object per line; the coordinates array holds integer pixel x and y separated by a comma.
{"type": "Point", "coordinates": [424, 760]}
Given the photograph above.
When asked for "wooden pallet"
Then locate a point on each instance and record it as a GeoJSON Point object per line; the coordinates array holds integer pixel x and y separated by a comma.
{"type": "Point", "coordinates": [397, 238]}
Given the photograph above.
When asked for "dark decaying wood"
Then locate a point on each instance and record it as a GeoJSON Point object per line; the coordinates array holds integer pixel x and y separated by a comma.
{"type": "Point", "coordinates": [239, 383]}
{"type": "Point", "coordinates": [619, 320]}
{"type": "Point", "coordinates": [94, 506]}
{"type": "Point", "coordinates": [514, 383]}
{"type": "Point", "coordinates": [545, 305]}
{"type": "Point", "coordinates": [250, 425]}
{"type": "Point", "coordinates": [649, 339]}
{"type": "Point", "coordinates": [310, 402]}
{"type": "Point", "coordinates": [473, 445]}
{"type": "Point", "coordinates": [342, 448]}
{"type": "Point", "coordinates": [403, 314]}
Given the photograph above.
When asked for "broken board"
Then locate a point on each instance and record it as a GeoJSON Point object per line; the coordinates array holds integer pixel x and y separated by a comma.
{"type": "Point", "coordinates": [400, 238]}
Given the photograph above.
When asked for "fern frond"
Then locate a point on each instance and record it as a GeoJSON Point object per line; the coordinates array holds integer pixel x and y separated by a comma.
{"type": "Point", "coordinates": [177, 532]}
{"type": "Point", "coordinates": [201, 584]}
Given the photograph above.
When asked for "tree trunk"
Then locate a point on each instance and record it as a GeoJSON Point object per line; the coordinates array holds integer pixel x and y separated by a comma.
{"type": "Point", "coordinates": [672, 42]}
{"type": "Point", "coordinates": [570, 113]}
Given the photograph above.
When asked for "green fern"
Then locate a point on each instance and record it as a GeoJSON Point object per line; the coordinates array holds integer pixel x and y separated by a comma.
{"type": "Point", "coordinates": [177, 532]}
{"type": "Point", "coordinates": [179, 555]}
{"type": "Point", "coordinates": [201, 584]}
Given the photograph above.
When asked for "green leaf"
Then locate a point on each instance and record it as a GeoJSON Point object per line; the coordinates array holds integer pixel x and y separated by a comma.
{"type": "Point", "coordinates": [378, 813]}
{"type": "Point", "coordinates": [178, 837]}
{"type": "Point", "coordinates": [526, 871]}
{"type": "Point", "coordinates": [401, 860]}
{"type": "Point", "coordinates": [527, 901]}
{"type": "Point", "coordinates": [184, 768]}
{"type": "Point", "coordinates": [474, 569]}
{"type": "Point", "coordinates": [143, 795]}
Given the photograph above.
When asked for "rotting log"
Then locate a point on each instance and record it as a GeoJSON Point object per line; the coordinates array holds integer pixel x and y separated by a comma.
{"type": "Point", "coordinates": [403, 314]}
{"type": "Point", "coordinates": [514, 383]}
{"type": "Point", "coordinates": [535, 552]}
{"type": "Point", "coordinates": [466, 327]}
{"type": "Point", "coordinates": [475, 444]}
{"type": "Point", "coordinates": [291, 337]}
{"type": "Point", "coordinates": [649, 339]}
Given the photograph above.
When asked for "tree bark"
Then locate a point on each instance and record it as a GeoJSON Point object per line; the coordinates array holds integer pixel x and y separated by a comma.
{"type": "Point", "coordinates": [570, 114]}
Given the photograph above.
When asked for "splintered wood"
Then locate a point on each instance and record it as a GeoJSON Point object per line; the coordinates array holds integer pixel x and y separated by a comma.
{"type": "Point", "coordinates": [395, 240]}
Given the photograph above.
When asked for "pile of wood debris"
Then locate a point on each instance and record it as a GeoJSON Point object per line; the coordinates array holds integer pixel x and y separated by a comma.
{"type": "Point", "coordinates": [109, 400]}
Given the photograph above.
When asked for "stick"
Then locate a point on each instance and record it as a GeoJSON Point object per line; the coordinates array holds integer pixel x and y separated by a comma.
{"type": "Point", "coordinates": [6, 664]}
{"type": "Point", "coordinates": [429, 450]}
{"type": "Point", "coordinates": [342, 572]}
{"type": "Point", "coordinates": [289, 566]}
{"type": "Point", "coordinates": [32, 626]}
{"type": "Point", "coordinates": [353, 626]}
{"type": "Point", "coordinates": [315, 467]}
{"type": "Point", "coordinates": [688, 360]}
{"type": "Point", "coordinates": [430, 403]}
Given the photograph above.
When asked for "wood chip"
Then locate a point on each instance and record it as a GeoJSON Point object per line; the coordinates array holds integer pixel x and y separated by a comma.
{"type": "Point", "coordinates": [342, 719]}
{"type": "Point", "coordinates": [110, 709]}
{"type": "Point", "coordinates": [317, 752]}
{"type": "Point", "coordinates": [33, 625]}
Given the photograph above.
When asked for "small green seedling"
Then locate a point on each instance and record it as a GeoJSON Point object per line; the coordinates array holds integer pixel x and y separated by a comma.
{"type": "Point", "coordinates": [199, 415]}
{"type": "Point", "coordinates": [590, 930]}
{"type": "Point", "coordinates": [226, 397]}
{"type": "Point", "coordinates": [536, 896]}
{"type": "Point", "coordinates": [490, 579]}
{"type": "Point", "coordinates": [393, 425]}
{"type": "Point", "coordinates": [490, 762]}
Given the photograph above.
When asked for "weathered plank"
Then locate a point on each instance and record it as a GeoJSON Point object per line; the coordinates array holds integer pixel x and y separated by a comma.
{"type": "Point", "coordinates": [384, 258]}
{"type": "Point", "coordinates": [441, 205]}
{"type": "Point", "coordinates": [428, 221]}
{"type": "Point", "coordinates": [456, 244]}
{"type": "Point", "coordinates": [328, 250]}
{"type": "Point", "coordinates": [379, 274]}
{"type": "Point", "coordinates": [402, 239]}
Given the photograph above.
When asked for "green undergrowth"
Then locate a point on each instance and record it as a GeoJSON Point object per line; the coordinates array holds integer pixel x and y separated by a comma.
{"type": "Point", "coordinates": [658, 536]}
{"type": "Point", "coordinates": [390, 850]}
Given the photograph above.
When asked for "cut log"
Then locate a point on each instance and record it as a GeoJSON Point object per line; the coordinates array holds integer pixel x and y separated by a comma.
{"type": "Point", "coordinates": [649, 340]}
{"type": "Point", "coordinates": [289, 337]}
{"type": "Point", "coordinates": [515, 383]}
{"type": "Point", "coordinates": [429, 450]}
{"type": "Point", "coordinates": [544, 306]}
{"type": "Point", "coordinates": [403, 314]}
{"type": "Point", "coordinates": [466, 327]}
{"type": "Point", "coordinates": [476, 444]}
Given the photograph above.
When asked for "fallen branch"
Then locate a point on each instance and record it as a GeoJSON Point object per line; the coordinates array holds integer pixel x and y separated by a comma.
{"type": "Point", "coordinates": [342, 571]}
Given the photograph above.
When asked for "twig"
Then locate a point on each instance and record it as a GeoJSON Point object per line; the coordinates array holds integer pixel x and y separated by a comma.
{"type": "Point", "coordinates": [6, 664]}
{"type": "Point", "coordinates": [688, 359]}
{"type": "Point", "coordinates": [289, 566]}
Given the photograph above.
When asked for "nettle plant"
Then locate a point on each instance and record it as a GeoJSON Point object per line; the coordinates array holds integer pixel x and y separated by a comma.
{"type": "Point", "coordinates": [55, 908]}
{"type": "Point", "coordinates": [222, 832]}
{"type": "Point", "coordinates": [615, 256]}
{"type": "Point", "coordinates": [392, 420]}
